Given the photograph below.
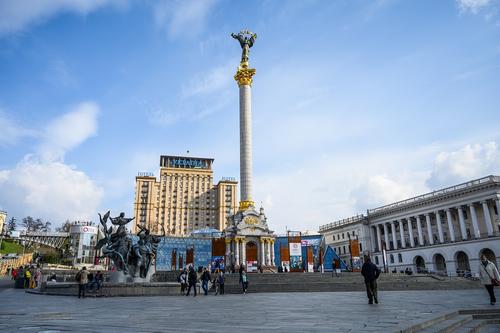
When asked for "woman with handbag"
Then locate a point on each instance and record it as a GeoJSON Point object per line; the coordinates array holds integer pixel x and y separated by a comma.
{"type": "Point", "coordinates": [489, 277]}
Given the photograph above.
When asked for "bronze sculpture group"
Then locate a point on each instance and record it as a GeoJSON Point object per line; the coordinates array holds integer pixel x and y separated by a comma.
{"type": "Point", "coordinates": [132, 259]}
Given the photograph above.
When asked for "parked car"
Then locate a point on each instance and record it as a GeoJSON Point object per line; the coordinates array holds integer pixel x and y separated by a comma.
{"type": "Point", "coordinates": [10, 256]}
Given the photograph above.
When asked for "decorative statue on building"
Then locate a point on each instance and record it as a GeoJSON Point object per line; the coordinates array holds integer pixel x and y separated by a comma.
{"type": "Point", "coordinates": [246, 39]}
{"type": "Point", "coordinates": [131, 259]}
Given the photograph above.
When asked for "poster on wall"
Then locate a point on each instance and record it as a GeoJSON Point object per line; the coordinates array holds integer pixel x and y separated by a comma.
{"type": "Point", "coordinates": [295, 257]}
{"type": "Point", "coordinates": [251, 265]}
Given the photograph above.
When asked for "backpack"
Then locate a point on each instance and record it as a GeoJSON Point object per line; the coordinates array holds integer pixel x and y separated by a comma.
{"type": "Point", "coordinates": [78, 277]}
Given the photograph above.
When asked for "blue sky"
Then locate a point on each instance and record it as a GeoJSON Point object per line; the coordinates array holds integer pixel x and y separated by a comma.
{"type": "Point", "coordinates": [355, 103]}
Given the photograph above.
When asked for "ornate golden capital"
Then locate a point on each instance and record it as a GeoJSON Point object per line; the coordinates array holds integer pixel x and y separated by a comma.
{"type": "Point", "coordinates": [245, 204]}
{"type": "Point", "coordinates": [244, 76]}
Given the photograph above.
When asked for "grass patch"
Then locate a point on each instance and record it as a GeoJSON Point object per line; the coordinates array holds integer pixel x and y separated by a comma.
{"type": "Point", "coordinates": [11, 247]}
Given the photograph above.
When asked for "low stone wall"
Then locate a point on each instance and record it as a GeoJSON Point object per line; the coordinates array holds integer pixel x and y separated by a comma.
{"type": "Point", "coordinates": [110, 289]}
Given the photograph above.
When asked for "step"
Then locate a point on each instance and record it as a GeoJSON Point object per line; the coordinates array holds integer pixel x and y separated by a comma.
{"type": "Point", "coordinates": [449, 325]}
{"type": "Point", "coordinates": [420, 327]}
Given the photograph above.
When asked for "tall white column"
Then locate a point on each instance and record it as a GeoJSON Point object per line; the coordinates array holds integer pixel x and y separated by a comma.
{"type": "Point", "coordinates": [373, 238]}
{"type": "Point", "coordinates": [429, 229]}
{"type": "Point", "coordinates": [394, 238]}
{"type": "Point", "coordinates": [475, 225]}
{"type": "Point", "coordinates": [386, 236]}
{"type": "Point", "coordinates": [419, 231]}
{"type": "Point", "coordinates": [402, 234]}
{"type": "Point", "coordinates": [237, 251]}
{"type": "Point", "coordinates": [262, 253]}
{"type": "Point", "coordinates": [440, 227]}
{"type": "Point", "coordinates": [497, 202]}
{"type": "Point", "coordinates": [461, 220]}
{"type": "Point", "coordinates": [244, 78]}
{"type": "Point", "coordinates": [487, 218]}
{"type": "Point", "coordinates": [379, 237]}
{"type": "Point", "coordinates": [450, 225]}
{"type": "Point", "coordinates": [410, 232]}
{"type": "Point", "coordinates": [272, 254]}
{"type": "Point", "coordinates": [268, 253]}
{"type": "Point", "coordinates": [228, 252]}
{"type": "Point", "coordinates": [244, 251]}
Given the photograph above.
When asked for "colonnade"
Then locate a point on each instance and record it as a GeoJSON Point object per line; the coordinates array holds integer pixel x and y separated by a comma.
{"type": "Point", "coordinates": [444, 224]}
{"type": "Point", "coordinates": [236, 249]}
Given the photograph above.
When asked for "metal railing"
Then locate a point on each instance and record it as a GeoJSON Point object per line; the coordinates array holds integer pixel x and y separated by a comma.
{"type": "Point", "coordinates": [348, 220]}
{"type": "Point", "coordinates": [484, 180]}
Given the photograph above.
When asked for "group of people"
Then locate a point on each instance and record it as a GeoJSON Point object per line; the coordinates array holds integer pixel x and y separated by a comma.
{"type": "Point", "coordinates": [27, 277]}
{"type": "Point", "coordinates": [488, 276]}
{"type": "Point", "coordinates": [88, 280]}
{"type": "Point", "coordinates": [189, 278]}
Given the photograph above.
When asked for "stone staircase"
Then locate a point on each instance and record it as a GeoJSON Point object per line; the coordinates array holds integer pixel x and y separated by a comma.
{"type": "Point", "coordinates": [462, 321]}
{"type": "Point", "coordinates": [317, 282]}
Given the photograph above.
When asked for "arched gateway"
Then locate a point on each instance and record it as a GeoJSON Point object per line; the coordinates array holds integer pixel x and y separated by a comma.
{"type": "Point", "coordinates": [419, 262]}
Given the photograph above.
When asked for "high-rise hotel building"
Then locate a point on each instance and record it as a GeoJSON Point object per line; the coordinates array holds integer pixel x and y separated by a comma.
{"type": "Point", "coordinates": [184, 197]}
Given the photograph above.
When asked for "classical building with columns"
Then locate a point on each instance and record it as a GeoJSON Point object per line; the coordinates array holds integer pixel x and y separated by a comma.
{"type": "Point", "coordinates": [444, 231]}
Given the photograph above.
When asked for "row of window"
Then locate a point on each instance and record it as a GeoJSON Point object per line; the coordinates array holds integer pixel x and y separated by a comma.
{"type": "Point", "coordinates": [344, 235]}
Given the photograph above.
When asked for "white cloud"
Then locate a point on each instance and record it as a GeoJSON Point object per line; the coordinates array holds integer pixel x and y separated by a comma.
{"type": "Point", "coordinates": [381, 189]}
{"type": "Point", "coordinates": [472, 6]}
{"type": "Point", "coordinates": [17, 15]}
{"type": "Point", "coordinates": [49, 190]}
{"type": "Point", "coordinates": [69, 131]}
{"type": "Point", "coordinates": [321, 189]}
{"type": "Point", "coordinates": [467, 163]}
{"type": "Point", "coordinates": [182, 17]}
{"type": "Point", "coordinates": [11, 132]}
{"type": "Point", "coordinates": [42, 185]}
{"type": "Point", "coordinates": [200, 97]}
{"type": "Point", "coordinates": [217, 79]}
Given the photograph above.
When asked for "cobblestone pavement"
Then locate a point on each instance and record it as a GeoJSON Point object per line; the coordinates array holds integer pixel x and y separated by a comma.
{"type": "Point", "coordinates": [276, 312]}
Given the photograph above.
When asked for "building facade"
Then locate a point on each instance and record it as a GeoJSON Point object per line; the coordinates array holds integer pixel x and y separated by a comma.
{"type": "Point", "coordinates": [84, 237]}
{"type": "Point", "coordinates": [184, 197]}
{"type": "Point", "coordinates": [3, 222]}
{"type": "Point", "coordinates": [343, 234]}
{"type": "Point", "coordinates": [444, 231]}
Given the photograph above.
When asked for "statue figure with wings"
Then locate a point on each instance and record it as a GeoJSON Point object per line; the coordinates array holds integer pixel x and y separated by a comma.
{"type": "Point", "coordinates": [246, 39]}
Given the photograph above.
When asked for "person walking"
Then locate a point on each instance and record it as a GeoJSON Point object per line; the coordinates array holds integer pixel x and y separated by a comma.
{"type": "Point", "coordinates": [182, 279]}
{"type": "Point", "coordinates": [205, 277]}
{"type": "Point", "coordinates": [244, 282]}
{"type": "Point", "coordinates": [192, 278]}
{"type": "Point", "coordinates": [489, 277]}
{"type": "Point", "coordinates": [82, 280]}
{"type": "Point", "coordinates": [371, 273]}
{"type": "Point", "coordinates": [220, 282]}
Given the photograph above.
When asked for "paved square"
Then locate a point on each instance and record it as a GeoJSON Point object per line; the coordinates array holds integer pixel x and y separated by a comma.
{"type": "Point", "coordinates": [277, 312]}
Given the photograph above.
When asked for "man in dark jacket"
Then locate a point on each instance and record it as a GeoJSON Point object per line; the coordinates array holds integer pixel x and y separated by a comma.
{"type": "Point", "coordinates": [371, 273]}
{"type": "Point", "coordinates": [205, 277]}
{"type": "Point", "coordinates": [192, 279]}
